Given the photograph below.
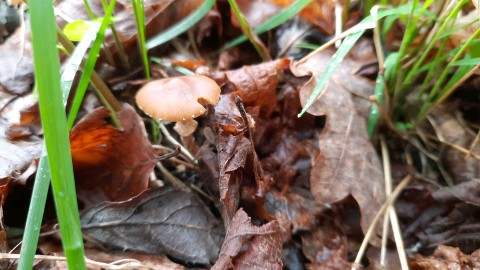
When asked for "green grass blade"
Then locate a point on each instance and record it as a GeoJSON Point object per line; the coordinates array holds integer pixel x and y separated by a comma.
{"type": "Point", "coordinates": [249, 33]}
{"type": "Point", "coordinates": [89, 66]}
{"type": "Point", "coordinates": [271, 23]}
{"type": "Point", "coordinates": [138, 9]}
{"type": "Point", "coordinates": [467, 62]}
{"type": "Point", "coordinates": [374, 110]}
{"type": "Point", "coordinates": [354, 34]}
{"type": "Point", "coordinates": [181, 26]}
{"type": "Point", "coordinates": [346, 46]}
{"type": "Point", "coordinates": [47, 74]}
{"type": "Point", "coordinates": [42, 178]}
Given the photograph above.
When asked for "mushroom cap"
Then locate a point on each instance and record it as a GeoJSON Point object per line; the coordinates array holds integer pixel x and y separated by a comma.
{"type": "Point", "coordinates": [178, 98]}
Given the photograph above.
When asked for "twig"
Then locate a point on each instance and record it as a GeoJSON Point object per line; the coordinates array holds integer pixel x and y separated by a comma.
{"type": "Point", "coordinates": [381, 211]}
{"type": "Point", "coordinates": [391, 210]}
{"type": "Point", "coordinates": [123, 264]}
{"type": "Point", "coordinates": [170, 138]}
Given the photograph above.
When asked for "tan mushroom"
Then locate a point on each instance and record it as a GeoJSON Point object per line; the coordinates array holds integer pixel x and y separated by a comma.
{"type": "Point", "coordinates": [178, 99]}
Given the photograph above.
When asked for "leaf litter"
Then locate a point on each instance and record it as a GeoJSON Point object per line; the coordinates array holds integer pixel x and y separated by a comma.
{"type": "Point", "coordinates": [274, 190]}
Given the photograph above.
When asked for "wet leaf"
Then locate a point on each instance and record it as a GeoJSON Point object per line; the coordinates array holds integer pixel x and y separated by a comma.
{"type": "Point", "coordinates": [326, 247]}
{"type": "Point", "coordinates": [111, 164]}
{"type": "Point", "coordinates": [256, 84]}
{"type": "Point", "coordinates": [297, 209]}
{"type": "Point", "coordinates": [16, 155]}
{"type": "Point", "coordinates": [262, 245]}
{"type": "Point", "coordinates": [165, 220]}
{"type": "Point", "coordinates": [348, 163]}
{"type": "Point", "coordinates": [16, 70]}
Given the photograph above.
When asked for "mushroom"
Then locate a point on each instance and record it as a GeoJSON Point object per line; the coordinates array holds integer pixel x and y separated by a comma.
{"type": "Point", "coordinates": [178, 99]}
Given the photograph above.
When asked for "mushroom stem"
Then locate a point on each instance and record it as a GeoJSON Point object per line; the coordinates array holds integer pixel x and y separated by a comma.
{"type": "Point", "coordinates": [170, 138]}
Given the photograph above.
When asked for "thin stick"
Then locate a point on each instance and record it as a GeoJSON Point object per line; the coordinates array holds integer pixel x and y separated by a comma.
{"type": "Point", "coordinates": [172, 140]}
{"type": "Point", "coordinates": [126, 263]}
{"type": "Point", "coordinates": [381, 211]}
{"type": "Point", "coordinates": [391, 210]}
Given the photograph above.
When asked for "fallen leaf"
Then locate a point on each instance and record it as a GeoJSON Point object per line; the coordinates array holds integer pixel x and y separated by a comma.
{"type": "Point", "coordinates": [256, 84]}
{"type": "Point", "coordinates": [326, 247]}
{"type": "Point", "coordinates": [347, 163]}
{"type": "Point", "coordinates": [256, 12]}
{"type": "Point", "coordinates": [250, 247]}
{"type": "Point", "coordinates": [297, 208]}
{"type": "Point", "coordinates": [449, 129]}
{"type": "Point", "coordinates": [446, 257]}
{"type": "Point", "coordinates": [159, 221]}
{"type": "Point", "coordinates": [16, 70]}
{"type": "Point", "coordinates": [111, 164]}
{"type": "Point", "coordinates": [17, 155]}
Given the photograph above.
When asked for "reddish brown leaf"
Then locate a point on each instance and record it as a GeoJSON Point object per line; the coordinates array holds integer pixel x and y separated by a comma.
{"type": "Point", "coordinates": [348, 163]}
{"type": "Point", "coordinates": [264, 245]}
{"type": "Point", "coordinates": [164, 220]}
{"type": "Point", "coordinates": [111, 164]}
{"type": "Point", "coordinates": [326, 247]}
{"type": "Point", "coordinates": [256, 85]}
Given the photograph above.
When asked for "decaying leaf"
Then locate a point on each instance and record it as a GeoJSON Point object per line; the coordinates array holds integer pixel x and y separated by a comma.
{"type": "Point", "coordinates": [446, 257]}
{"type": "Point", "coordinates": [16, 155]}
{"type": "Point", "coordinates": [264, 245]}
{"type": "Point", "coordinates": [164, 220]}
{"type": "Point", "coordinates": [16, 70]}
{"type": "Point", "coordinates": [326, 247]}
{"type": "Point", "coordinates": [111, 164]}
{"type": "Point", "coordinates": [461, 166]}
{"type": "Point", "coordinates": [348, 163]}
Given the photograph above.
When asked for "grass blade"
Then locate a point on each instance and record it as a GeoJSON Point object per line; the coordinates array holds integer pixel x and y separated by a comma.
{"type": "Point", "coordinates": [138, 9]}
{"type": "Point", "coordinates": [249, 33]}
{"type": "Point", "coordinates": [89, 66]}
{"type": "Point", "coordinates": [42, 178]}
{"type": "Point", "coordinates": [271, 23]}
{"type": "Point", "coordinates": [181, 26]}
{"type": "Point", "coordinates": [47, 74]}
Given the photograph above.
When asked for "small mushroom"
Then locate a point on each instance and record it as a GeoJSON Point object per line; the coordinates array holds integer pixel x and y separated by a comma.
{"type": "Point", "coordinates": [178, 99]}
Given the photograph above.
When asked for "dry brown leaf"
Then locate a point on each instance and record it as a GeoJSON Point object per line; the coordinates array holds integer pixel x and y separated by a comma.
{"type": "Point", "coordinates": [111, 164]}
{"type": "Point", "coordinates": [348, 163]}
{"type": "Point", "coordinates": [264, 245]}
{"type": "Point", "coordinates": [462, 168]}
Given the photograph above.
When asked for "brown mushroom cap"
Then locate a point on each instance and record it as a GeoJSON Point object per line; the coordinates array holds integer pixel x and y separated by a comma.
{"type": "Point", "coordinates": [178, 98]}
